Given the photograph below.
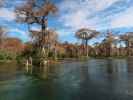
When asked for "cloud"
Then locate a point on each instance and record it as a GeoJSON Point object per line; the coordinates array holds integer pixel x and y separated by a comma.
{"type": "Point", "coordinates": [23, 33]}
{"type": "Point", "coordinates": [123, 19]}
{"type": "Point", "coordinates": [1, 3]}
{"type": "Point", "coordinates": [100, 5]}
{"type": "Point", "coordinates": [20, 34]}
{"type": "Point", "coordinates": [100, 15]}
{"type": "Point", "coordinates": [76, 14]}
{"type": "Point", "coordinates": [7, 14]}
{"type": "Point", "coordinates": [63, 33]}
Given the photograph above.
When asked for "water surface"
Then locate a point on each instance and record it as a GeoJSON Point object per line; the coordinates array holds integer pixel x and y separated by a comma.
{"type": "Point", "coordinates": [95, 79]}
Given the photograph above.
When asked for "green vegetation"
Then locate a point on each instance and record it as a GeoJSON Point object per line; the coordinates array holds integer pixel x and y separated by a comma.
{"type": "Point", "coordinates": [7, 56]}
{"type": "Point", "coordinates": [45, 45]}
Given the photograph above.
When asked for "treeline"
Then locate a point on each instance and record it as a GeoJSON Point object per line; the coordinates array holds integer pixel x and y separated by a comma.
{"type": "Point", "coordinates": [110, 46]}
{"type": "Point", "coordinates": [14, 48]}
{"type": "Point", "coordinates": [10, 48]}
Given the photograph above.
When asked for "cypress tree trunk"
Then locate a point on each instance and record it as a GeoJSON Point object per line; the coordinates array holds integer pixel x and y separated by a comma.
{"type": "Point", "coordinates": [86, 47]}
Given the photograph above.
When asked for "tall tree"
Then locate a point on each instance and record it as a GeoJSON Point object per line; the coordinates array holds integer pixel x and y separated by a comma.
{"type": "Point", "coordinates": [50, 38]}
{"type": "Point", "coordinates": [34, 12]}
{"type": "Point", "coordinates": [128, 38]}
{"type": "Point", "coordinates": [86, 34]}
{"type": "Point", "coordinates": [108, 42]}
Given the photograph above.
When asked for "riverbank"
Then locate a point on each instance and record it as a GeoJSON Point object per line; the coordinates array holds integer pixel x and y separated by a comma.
{"type": "Point", "coordinates": [7, 61]}
{"type": "Point", "coordinates": [61, 60]}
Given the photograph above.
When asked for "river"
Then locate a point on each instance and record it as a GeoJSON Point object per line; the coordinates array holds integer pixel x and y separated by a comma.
{"type": "Point", "coordinates": [95, 79]}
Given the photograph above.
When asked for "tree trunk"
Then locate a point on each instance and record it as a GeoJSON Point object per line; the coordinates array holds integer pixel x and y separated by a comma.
{"type": "Point", "coordinates": [86, 48]}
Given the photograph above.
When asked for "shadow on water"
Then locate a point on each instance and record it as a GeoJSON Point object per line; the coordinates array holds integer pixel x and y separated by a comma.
{"type": "Point", "coordinates": [96, 79]}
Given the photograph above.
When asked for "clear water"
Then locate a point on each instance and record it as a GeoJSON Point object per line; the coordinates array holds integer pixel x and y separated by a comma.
{"type": "Point", "coordinates": [95, 79]}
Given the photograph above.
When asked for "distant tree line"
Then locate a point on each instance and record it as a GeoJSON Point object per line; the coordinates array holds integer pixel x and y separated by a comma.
{"type": "Point", "coordinates": [10, 48]}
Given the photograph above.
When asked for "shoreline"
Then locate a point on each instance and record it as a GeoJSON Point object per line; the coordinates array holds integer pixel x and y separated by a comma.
{"type": "Point", "coordinates": [60, 60]}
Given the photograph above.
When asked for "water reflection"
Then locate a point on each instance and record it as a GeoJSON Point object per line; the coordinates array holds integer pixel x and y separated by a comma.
{"type": "Point", "coordinates": [130, 64]}
{"type": "Point", "coordinates": [95, 79]}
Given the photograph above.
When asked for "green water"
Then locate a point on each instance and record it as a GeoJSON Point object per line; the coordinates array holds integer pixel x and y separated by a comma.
{"type": "Point", "coordinates": [95, 79]}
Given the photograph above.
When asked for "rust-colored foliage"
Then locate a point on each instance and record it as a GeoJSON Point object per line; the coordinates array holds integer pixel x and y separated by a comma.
{"type": "Point", "coordinates": [126, 36]}
{"type": "Point", "coordinates": [2, 35]}
{"type": "Point", "coordinates": [30, 12]}
{"type": "Point", "coordinates": [46, 9]}
{"type": "Point", "coordinates": [50, 38]}
{"type": "Point", "coordinates": [13, 45]}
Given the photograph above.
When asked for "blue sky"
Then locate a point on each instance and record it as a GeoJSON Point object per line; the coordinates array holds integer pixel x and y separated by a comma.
{"type": "Point", "coordinates": [101, 15]}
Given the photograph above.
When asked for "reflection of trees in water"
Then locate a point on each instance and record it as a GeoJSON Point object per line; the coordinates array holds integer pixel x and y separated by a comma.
{"type": "Point", "coordinates": [97, 78]}
{"type": "Point", "coordinates": [109, 67]}
{"type": "Point", "coordinates": [117, 67]}
{"type": "Point", "coordinates": [84, 73]}
{"type": "Point", "coordinates": [84, 83]}
{"type": "Point", "coordinates": [41, 72]}
{"type": "Point", "coordinates": [93, 80]}
{"type": "Point", "coordinates": [117, 75]}
{"type": "Point", "coordinates": [130, 64]}
{"type": "Point", "coordinates": [40, 85]}
{"type": "Point", "coordinates": [8, 72]}
{"type": "Point", "coordinates": [44, 72]}
{"type": "Point", "coordinates": [43, 89]}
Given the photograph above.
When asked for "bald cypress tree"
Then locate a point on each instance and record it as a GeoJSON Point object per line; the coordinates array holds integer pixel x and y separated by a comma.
{"type": "Point", "coordinates": [33, 12]}
{"type": "Point", "coordinates": [85, 35]}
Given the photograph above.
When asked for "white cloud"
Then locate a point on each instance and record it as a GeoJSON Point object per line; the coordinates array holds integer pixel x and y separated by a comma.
{"type": "Point", "coordinates": [123, 19]}
{"type": "Point", "coordinates": [23, 33]}
{"type": "Point", "coordinates": [102, 4]}
{"type": "Point", "coordinates": [63, 33]}
{"type": "Point", "coordinates": [7, 14]}
{"type": "Point", "coordinates": [94, 14]}
{"type": "Point", "coordinates": [76, 14]}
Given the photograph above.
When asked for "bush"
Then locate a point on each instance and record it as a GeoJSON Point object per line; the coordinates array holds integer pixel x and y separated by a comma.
{"type": "Point", "coordinates": [4, 55]}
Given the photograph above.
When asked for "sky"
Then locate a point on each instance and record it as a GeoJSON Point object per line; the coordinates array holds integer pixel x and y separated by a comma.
{"type": "Point", "coordinates": [100, 15]}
